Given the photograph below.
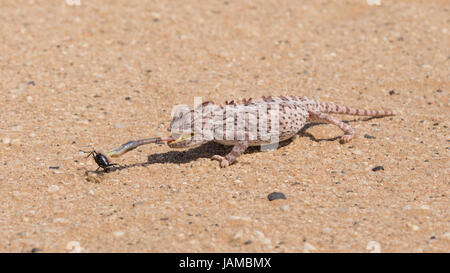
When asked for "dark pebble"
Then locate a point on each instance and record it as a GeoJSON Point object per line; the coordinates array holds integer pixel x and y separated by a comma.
{"type": "Point", "coordinates": [34, 250]}
{"type": "Point", "coordinates": [433, 237]}
{"type": "Point", "coordinates": [369, 136]}
{"type": "Point", "coordinates": [248, 242]}
{"type": "Point", "coordinates": [31, 83]}
{"type": "Point", "coordinates": [378, 168]}
{"type": "Point", "coordinates": [127, 98]}
{"type": "Point", "coordinates": [54, 167]}
{"type": "Point", "coordinates": [276, 195]}
{"type": "Point", "coordinates": [392, 92]}
{"type": "Point", "coordinates": [164, 219]}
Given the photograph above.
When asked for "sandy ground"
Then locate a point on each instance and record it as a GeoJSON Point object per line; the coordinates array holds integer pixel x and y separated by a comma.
{"type": "Point", "coordinates": [98, 74]}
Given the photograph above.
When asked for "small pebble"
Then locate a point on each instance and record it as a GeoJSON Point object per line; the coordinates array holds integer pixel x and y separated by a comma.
{"type": "Point", "coordinates": [369, 136]}
{"type": "Point", "coordinates": [118, 234]}
{"type": "Point", "coordinates": [54, 167]}
{"type": "Point", "coordinates": [15, 141]}
{"type": "Point", "coordinates": [446, 235]}
{"type": "Point", "coordinates": [378, 168]}
{"type": "Point", "coordinates": [392, 92]}
{"type": "Point", "coordinates": [138, 203]}
{"type": "Point", "coordinates": [247, 242]}
{"type": "Point", "coordinates": [238, 218]}
{"type": "Point", "coordinates": [34, 250]}
{"type": "Point", "coordinates": [276, 195]}
{"type": "Point", "coordinates": [413, 227]}
{"type": "Point", "coordinates": [119, 125]}
{"type": "Point", "coordinates": [61, 220]}
{"type": "Point", "coordinates": [285, 208]}
{"type": "Point", "coordinates": [53, 188]}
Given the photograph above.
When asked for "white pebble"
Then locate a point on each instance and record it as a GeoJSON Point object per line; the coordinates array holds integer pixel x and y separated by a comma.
{"type": "Point", "coordinates": [446, 235]}
{"type": "Point", "coordinates": [239, 218]}
{"type": "Point", "coordinates": [118, 234]}
{"type": "Point", "coordinates": [53, 188]}
{"type": "Point", "coordinates": [119, 125]}
{"type": "Point", "coordinates": [262, 238]}
{"type": "Point", "coordinates": [413, 227]}
{"type": "Point", "coordinates": [307, 248]}
{"type": "Point", "coordinates": [61, 220]}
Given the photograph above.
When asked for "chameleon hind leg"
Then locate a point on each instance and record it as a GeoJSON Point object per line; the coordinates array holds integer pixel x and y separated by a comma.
{"type": "Point", "coordinates": [322, 117]}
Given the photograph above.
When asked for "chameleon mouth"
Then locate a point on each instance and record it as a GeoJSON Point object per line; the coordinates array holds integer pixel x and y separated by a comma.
{"type": "Point", "coordinates": [176, 138]}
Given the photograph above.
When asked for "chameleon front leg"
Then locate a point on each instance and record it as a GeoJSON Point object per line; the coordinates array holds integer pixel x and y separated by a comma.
{"type": "Point", "coordinates": [322, 117]}
{"type": "Point", "coordinates": [229, 159]}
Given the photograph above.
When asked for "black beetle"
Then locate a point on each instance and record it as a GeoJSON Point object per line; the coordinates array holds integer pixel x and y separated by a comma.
{"type": "Point", "coordinates": [101, 160]}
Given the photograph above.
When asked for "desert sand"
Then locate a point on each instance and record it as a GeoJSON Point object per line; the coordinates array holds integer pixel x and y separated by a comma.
{"type": "Point", "coordinates": [83, 75]}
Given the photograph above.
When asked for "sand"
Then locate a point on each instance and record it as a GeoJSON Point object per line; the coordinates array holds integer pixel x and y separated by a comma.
{"type": "Point", "coordinates": [97, 74]}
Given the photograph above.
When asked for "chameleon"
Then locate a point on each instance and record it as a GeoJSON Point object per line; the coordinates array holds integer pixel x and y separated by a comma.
{"type": "Point", "coordinates": [249, 122]}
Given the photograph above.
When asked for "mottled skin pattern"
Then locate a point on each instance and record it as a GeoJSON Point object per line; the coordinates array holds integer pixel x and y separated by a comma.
{"type": "Point", "coordinates": [292, 114]}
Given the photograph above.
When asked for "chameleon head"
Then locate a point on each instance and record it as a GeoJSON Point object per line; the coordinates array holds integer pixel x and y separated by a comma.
{"type": "Point", "coordinates": [182, 131]}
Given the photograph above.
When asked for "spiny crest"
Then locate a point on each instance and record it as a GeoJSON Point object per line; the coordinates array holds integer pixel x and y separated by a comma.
{"type": "Point", "coordinates": [206, 103]}
{"type": "Point", "coordinates": [230, 102]}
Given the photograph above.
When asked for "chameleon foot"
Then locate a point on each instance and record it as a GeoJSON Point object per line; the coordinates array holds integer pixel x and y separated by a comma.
{"type": "Point", "coordinates": [346, 138]}
{"type": "Point", "coordinates": [223, 161]}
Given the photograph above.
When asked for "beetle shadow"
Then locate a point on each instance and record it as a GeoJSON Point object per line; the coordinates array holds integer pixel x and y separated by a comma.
{"type": "Point", "coordinates": [209, 149]}
{"type": "Point", "coordinates": [206, 150]}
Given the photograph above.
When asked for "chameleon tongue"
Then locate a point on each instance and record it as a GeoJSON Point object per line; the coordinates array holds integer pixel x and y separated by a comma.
{"type": "Point", "coordinates": [131, 145]}
{"type": "Point", "coordinates": [167, 139]}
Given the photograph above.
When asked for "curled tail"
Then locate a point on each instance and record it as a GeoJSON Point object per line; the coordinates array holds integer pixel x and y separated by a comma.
{"type": "Point", "coordinates": [327, 107]}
